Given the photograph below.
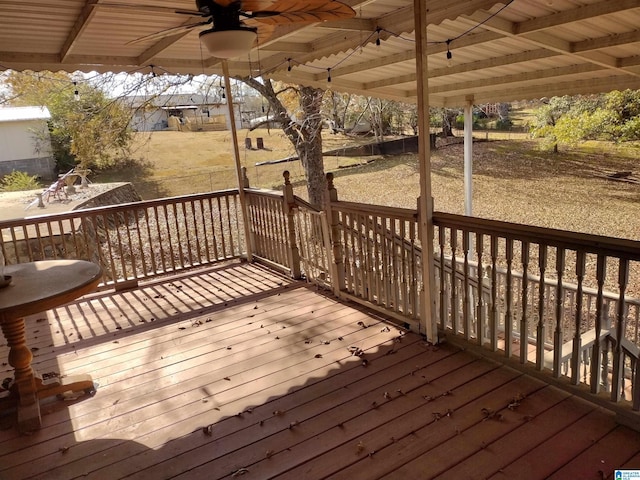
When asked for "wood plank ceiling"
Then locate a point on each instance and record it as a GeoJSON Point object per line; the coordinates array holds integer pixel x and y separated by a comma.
{"type": "Point", "coordinates": [499, 51]}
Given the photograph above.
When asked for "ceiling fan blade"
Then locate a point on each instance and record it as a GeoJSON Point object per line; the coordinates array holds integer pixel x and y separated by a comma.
{"type": "Point", "coordinates": [147, 8]}
{"type": "Point", "coordinates": [294, 11]}
{"type": "Point", "coordinates": [257, 5]}
{"type": "Point", "coordinates": [169, 31]}
{"type": "Point", "coordinates": [264, 32]}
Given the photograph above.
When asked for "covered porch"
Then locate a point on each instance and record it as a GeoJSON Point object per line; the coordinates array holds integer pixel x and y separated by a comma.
{"type": "Point", "coordinates": [311, 360]}
{"type": "Point", "coordinates": [235, 370]}
{"type": "Point", "coordinates": [191, 377]}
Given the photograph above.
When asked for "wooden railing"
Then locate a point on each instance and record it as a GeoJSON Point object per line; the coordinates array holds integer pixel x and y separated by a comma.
{"type": "Point", "coordinates": [551, 298]}
{"type": "Point", "coordinates": [381, 258]}
{"type": "Point", "coordinates": [314, 243]}
{"type": "Point", "coordinates": [269, 228]}
{"type": "Point", "coordinates": [134, 240]}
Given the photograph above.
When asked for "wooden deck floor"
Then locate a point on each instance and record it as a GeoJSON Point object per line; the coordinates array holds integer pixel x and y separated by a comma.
{"type": "Point", "coordinates": [235, 371]}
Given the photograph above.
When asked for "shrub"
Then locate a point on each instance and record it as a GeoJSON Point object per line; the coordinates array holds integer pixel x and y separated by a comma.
{"type": "Point", "coordinates": [18, 181]}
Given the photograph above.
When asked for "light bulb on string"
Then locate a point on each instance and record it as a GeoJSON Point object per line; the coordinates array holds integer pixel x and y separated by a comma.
{"type": "Point", "coordinates": [449, 54]}
{"type": "Point", "coordinates": [289, 66]}
{"type": "Point", "coordinates": [378, 38]}
{"type": "Point", "coordinates": [76, 93]}
{"type": "Point", "coordinates": [328, 77]}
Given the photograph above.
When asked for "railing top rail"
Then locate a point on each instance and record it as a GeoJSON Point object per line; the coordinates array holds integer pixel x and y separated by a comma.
{"type": "Point", "coordinates": [627, 249]}
{"type": "Point", "coordinates": [260, 192]}
{"type": "Point", "coordinates": [396, 212]}
{"type": "Point", "coordinates": [301, 202]}
{"type": "Point", "coordinates": [114, 208]}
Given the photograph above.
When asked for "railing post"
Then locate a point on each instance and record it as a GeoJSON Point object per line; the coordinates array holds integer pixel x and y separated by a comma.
{"type": "Point", "coordinates": [289, 210]}
{"type": "Point", "coordinates": [337, 266]}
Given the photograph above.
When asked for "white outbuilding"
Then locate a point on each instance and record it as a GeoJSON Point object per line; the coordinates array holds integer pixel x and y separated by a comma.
{"type": "Point", "coordinates": [25, 144]}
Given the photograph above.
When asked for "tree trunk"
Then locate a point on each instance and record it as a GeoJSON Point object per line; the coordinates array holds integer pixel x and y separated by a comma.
{"type": "Point", "coordinates": [305, 134]}
{"type": "Point", "coordinates": [309, 145]}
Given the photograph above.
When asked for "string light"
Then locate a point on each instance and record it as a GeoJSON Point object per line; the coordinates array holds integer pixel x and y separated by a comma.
{"type": "Point", "coordinates": [378, 42]}
{"type": "Point", "coordinates": [76, 93]}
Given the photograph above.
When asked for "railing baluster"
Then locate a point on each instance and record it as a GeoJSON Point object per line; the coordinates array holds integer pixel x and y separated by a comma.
{"type": "Point", "coordinates": [635, 391]}
{"type": "Point", "coordinates": [386, 261]}
{"type": "Point", "coordinates": [354, 253]}
{"type": "Point", "coordinates": [524, 320]}
{"type": "Point", "coordinates": [142, 250]}
{"type": "Point", "coordinates": [230, 241]}
{"type": "Point", "coordinates": [156, 216]}
{"type": "Point", "coordinates": [133, 252]}
{"type": "Point", "coordinates": [176, 221]}
{"type": "Point", "coordinates": [196, 225]}
{"type": "Point", "coordinates": [443, 302]}
{"type": "Point", "coordinates": [404, 266]}
{"type": "Point", "coordinates": [617, 383]}
{"type": "Point", "coordinates": [577, 337]}
{"type": "Point", "coordinates": [377, 241]}
{"type": "Point", "coordinates": [454, 313]}
{"type": "Point", "coordinates": [494, 320]}
{"type": "Point", "coordinates": [14, 240]}
{"type": "Point", "coordinates": [540, 331]}
{"type": "Point", "coordinates": [188, 239]}
{"type": "Point", "coordinates": [480, 316]}
{"type": "Point", "coordinates": [414, 272]}
{"type": "Point", "coordinates": [508, 320]}
{"type": "Point", "coordinates": [558, 332]}
{"type": "Point", "coordinates": [222, 236]}
{"type": "Point", "coordinates": [396, 266]}
{"type": "Point", "coordinates": [169, 237]}
{"type": "Point", "coordinates": [466, 293]}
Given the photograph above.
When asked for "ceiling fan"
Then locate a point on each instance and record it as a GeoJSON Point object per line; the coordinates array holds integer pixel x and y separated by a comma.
{"type": "Point", "coordinates": [237, 24]}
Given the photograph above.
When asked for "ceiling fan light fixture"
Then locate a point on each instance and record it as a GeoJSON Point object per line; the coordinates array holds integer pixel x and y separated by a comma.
{"type": "Point", "coordinates": [229, 43]}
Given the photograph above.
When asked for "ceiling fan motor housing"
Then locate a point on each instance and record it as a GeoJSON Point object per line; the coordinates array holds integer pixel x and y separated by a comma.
{"type": "Point", "coordinates": [224, 18]}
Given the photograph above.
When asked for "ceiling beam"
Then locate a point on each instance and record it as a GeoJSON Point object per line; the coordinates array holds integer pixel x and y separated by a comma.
{"type": "Point", "coordinates": [359, 24]}
{"type": "Point", "coordinates": [520, 79]}
{"type": "Point", "coordinates": [542, 39]}
{"type": "Point", "coordinates": [80, 25]}
{"type": "Point", "coordinates": [160, 46]}
{"type": "Point", "coordinates": [587, 12]}
{"type": "Point", "coordinates": [288, 47]}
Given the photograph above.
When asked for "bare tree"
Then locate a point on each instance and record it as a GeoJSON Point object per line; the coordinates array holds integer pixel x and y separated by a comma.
{"type": "Point", "coordinates": [305, 132]}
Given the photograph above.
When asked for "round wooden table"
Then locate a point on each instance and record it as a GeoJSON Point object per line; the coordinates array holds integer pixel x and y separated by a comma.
{"type": "Point", "coordinates": [36, 287]}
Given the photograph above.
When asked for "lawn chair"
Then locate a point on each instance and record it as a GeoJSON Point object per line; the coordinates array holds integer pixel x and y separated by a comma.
{"type": "Point", "coordinates": [57, 188]}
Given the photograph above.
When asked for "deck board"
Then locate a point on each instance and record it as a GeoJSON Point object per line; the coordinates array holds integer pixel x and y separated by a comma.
{"type": "Point", "coordinates": [236, 369]}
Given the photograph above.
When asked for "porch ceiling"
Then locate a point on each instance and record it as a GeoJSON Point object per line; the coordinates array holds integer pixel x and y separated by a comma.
{"type": "Point", "coordinates": [529, 49]}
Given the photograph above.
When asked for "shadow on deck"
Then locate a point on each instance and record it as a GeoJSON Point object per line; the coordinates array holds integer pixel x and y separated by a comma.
{"type": "Point", "coordinates": [234, 371]}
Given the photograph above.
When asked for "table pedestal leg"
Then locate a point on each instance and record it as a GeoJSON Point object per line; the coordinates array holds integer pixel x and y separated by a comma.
{"type": "Point", "coordinates": [25, 384]}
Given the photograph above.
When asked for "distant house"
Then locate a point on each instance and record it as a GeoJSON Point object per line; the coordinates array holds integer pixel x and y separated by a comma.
{"type": "Point", "coordinates": [24, 141]}
{"type": "Point", "coordinates": [187, 112]}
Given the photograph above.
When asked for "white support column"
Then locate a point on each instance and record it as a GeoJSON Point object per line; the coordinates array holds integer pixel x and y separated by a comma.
{"type": "Point", "coordinates": [236, 156]}
{"type": "Point", "coordinates": [468, 156]}
{"type": "Point", "coordinates": [425, 202]}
